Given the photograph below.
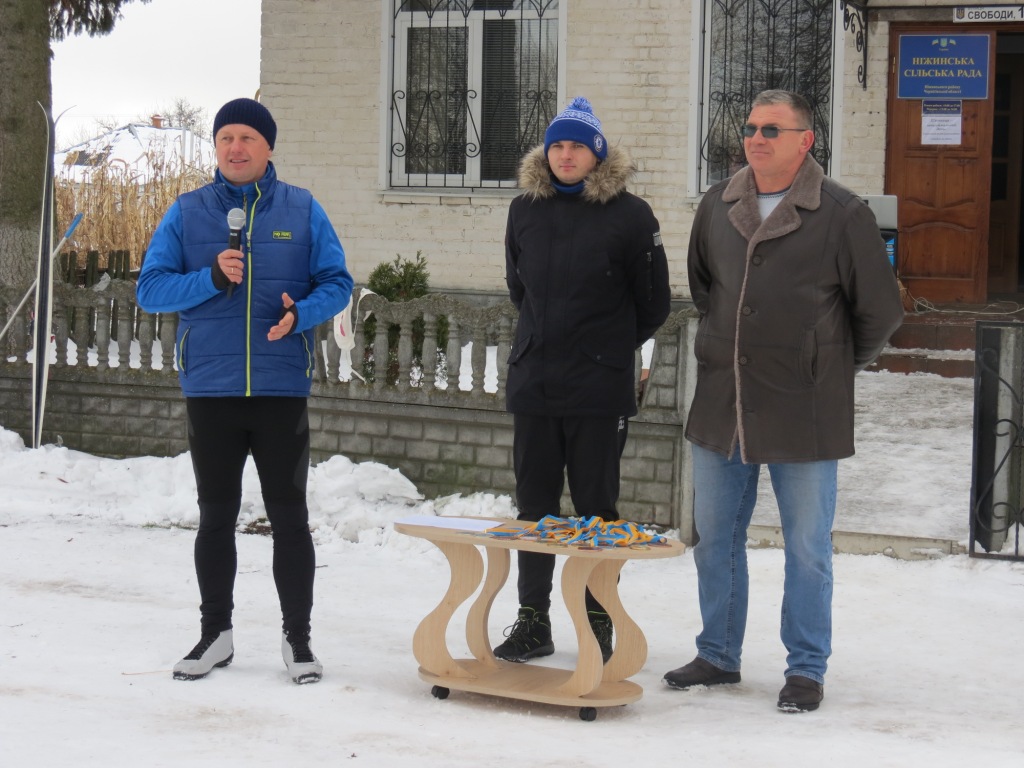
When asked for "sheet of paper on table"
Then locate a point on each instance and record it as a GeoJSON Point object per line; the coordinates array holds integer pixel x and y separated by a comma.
{"type": "Point", "coordinates": [454, 523]}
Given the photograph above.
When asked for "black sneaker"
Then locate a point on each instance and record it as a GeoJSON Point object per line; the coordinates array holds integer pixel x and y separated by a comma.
{"type": "Point", "coordinates": [214, 649]}
{"type": "Point", "coordinates": [528, 638]}
{"type": "Point", "coordinates": [303, 666]}
{"type": "Point", "coordinates": [601, 625]}
{"type": "Point", "coordinates": [699, 672]}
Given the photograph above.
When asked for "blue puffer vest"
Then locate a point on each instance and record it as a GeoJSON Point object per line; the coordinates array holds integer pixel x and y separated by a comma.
{"type": "Point", "coordinates": [223, 349]}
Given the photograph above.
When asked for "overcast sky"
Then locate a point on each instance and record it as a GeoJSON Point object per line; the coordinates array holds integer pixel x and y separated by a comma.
{"type": "Point", "coordinates": [205, 51]}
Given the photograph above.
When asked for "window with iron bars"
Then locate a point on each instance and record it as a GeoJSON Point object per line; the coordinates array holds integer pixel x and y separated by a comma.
{"type": "Point", "coordinates": [754, 46]}
{"type": "Point", "coordinates": [474, 85]}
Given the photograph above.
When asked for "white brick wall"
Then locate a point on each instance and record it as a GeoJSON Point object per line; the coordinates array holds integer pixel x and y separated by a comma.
{"type": "Point", "coordinates": [863, 145]}
{"type": "Point", "coordinates": [321, 76]}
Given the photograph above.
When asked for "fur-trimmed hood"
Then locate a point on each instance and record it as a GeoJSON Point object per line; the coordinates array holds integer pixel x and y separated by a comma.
{"type": "Point", "coordinates": [606, 182]}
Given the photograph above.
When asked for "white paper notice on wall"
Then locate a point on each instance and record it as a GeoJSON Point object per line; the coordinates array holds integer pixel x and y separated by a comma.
{"type": "Point", "coordinates": [941, 121]}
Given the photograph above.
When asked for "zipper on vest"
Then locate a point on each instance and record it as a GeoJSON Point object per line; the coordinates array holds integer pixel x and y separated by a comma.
{"type": "Point", "coordinates": [248, 290]}
{"type": "Point", "coordinates": [309, 356]}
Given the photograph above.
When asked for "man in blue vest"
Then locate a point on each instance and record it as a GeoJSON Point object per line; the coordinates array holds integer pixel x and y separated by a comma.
{"type": "Point", "coordinates": [245, 359]}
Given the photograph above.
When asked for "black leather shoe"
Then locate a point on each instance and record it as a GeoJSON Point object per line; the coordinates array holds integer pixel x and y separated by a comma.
{"type": "Point", "coordinates": [800, 694]}
{"type": "Point", "coordinates": [699, 672]}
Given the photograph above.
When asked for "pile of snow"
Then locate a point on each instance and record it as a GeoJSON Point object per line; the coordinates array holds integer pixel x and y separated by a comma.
{"type": "Point", "coordinates": [99, 601]}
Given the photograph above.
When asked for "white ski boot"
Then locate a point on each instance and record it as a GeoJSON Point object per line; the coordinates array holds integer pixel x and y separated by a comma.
{"type": "Point", "coordinates": [213, 650]}
{"type": "Point", "coordinates": [303, 666]}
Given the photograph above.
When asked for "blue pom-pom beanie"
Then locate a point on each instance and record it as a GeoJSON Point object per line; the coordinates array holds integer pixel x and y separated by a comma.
{"type": "Point", "coordinates": [247, 112]}
{"type": "Point", "coordinates": [577, 122]}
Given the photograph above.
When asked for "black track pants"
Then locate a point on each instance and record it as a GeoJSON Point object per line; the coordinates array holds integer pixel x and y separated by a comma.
{"type": "Point", "coordinates": [546, 450]}
{"type": "Point", "coordinates": [222, 432]}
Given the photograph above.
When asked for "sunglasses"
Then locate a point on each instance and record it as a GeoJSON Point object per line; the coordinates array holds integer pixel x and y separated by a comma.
{"type": "Point", "coordinates": [768, 131]}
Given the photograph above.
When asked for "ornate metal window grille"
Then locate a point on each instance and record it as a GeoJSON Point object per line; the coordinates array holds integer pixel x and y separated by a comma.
{"type": "Point", "coordinates": [474, 85]}
{"type": "Point", "coordinates": [997, 482]}
{"type": "Point", "coordinates": [753, 46]}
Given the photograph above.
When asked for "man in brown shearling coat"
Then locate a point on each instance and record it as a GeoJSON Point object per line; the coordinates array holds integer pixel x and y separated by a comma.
{"type": "Point", "coordinates": [796, 295]}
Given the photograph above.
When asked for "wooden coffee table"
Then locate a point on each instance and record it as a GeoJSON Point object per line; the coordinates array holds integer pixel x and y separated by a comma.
{"type": "Point", "coordinates": [592, 683]}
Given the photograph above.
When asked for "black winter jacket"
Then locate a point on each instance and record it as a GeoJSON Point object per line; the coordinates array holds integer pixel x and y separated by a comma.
{"type": "Point", "coordinates": [589, 277]}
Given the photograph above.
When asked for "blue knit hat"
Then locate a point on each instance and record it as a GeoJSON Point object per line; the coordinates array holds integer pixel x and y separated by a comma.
{"type": "Point", "coordinates": [247, 112]}
{"type": "Point", "coordinates": [577, 122]}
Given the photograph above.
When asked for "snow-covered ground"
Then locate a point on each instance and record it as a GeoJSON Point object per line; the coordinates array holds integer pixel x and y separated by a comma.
{"type": "Point", "coordinates": [98, 600]}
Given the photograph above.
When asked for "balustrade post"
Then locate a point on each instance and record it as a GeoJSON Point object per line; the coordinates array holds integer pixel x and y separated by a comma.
{"type": "Point", "coordinates": [359, 361]}
{"type": "Point", "coordinates": [82, 315]}
{"type": "Point", "coordinates": [23, 325]}
{"type": "Point", "coordinates": [428, 359]}
{"type": "Point", "coordinates": [146, 334]}
{"type": "Point", "coordinates": [404, 355]}
{"type": "Point", "coordinates": [454, 356]}
{"type": "Point", "coordinates": [124, 340]}
{"type": "Point", "coordinates": [478, 359]}
{"type": "Point", "coordinates": [115, 319]}
{"type": "Point", "coordinates": [60, 334]}
{"type": "Point", "coordinates": [80, 321]}
{"type": "Point", "coordinates": [167, 327]}
{"type": "Point", "coordinates": [18, 338]}
{"type": "Point", "coordinates": [380, 354]}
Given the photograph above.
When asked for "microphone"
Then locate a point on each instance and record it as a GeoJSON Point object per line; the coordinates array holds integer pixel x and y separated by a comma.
{"type": "Point", "coordinates": [236, 220]}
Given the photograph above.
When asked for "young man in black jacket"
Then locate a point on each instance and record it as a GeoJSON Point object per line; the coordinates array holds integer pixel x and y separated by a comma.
{"type": "Point", "coordinates": [586, 269]}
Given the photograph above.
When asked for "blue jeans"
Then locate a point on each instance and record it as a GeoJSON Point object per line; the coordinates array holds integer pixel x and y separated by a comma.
{"type": "Point", "coordinates": [725, 491]}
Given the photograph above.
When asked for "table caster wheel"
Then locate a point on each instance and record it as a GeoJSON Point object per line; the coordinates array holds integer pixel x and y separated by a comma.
{"type": "Point", "coordinates": [588, 713]}
{"type": "Point", "coordinates": [439, 692]}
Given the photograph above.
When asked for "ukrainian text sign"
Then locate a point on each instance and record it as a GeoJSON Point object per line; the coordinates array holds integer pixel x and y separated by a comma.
{"type": "Point", "coordinates": [941, 121]}
{"type": "Point", "coordinates": [943, 67]}
{"type": "Point", "coordinates": [988, 13]}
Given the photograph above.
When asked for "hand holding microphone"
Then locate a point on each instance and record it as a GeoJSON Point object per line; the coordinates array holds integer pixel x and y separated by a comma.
{"type": "Point", "coordinates": [230, 264]}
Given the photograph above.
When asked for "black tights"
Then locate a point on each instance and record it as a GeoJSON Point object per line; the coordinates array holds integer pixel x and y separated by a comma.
{"type": "Point", "coordinates": [222, 432]}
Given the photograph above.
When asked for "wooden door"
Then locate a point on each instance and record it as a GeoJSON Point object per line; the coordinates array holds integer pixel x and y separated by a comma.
{"type": "Point", "coordinates": [1007, 132]}
{"type": "Point", "coordinates": [943, 192]}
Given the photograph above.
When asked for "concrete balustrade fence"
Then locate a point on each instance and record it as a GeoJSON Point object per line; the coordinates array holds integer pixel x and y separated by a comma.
{"type": "Point", "coordinates": [437, 415]}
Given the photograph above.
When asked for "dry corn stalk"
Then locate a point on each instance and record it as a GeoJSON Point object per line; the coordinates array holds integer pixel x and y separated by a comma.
{"type": "Point", "coordinates": [121, 207]}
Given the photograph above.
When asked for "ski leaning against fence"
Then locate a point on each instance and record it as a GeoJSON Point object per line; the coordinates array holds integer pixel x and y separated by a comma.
{"type": "Point", "coordinates": [32, 288]}
{"type": "Point", "coordinates": [44, 288]}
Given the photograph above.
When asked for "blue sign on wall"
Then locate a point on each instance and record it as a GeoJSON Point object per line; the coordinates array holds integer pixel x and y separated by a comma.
{"type": "Point", "coordinates": [943, 67]}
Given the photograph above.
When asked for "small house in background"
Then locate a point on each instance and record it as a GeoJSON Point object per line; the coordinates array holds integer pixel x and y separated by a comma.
{"type": "Point", "coordinates": [137, 152]}
{"type": "Point", "coordinates": [123, 182]}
